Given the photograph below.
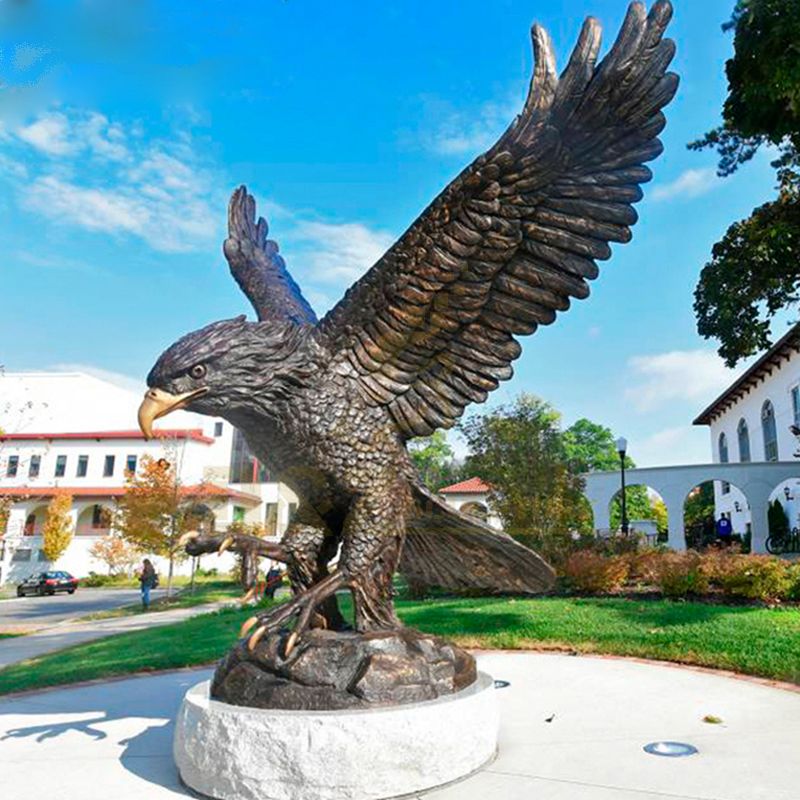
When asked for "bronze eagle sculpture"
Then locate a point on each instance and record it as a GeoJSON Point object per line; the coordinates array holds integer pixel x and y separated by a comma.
{"type": "Point", "coordinates": [429, 329]}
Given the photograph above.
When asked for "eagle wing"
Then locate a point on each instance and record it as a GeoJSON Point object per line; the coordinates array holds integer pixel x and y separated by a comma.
{"type": "Point", "coordinates": [259, 268]}
{"type": "Point", "coordinates": [430, 327]}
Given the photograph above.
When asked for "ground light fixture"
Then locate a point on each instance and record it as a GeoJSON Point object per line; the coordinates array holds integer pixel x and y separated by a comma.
{"type": "Point", "coordinates": [670, 749]}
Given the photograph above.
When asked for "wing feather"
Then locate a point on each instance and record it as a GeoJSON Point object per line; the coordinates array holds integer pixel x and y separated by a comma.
{"type": "Point", "coordinates": [507, 245]}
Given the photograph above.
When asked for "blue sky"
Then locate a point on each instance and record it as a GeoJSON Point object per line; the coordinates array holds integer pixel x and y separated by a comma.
{"type": "Point", "coordinates": [122, 133]}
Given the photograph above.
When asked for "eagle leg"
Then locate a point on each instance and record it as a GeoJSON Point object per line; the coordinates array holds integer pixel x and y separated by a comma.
{"type": "Point", "coordinates": [311, 547]}
{"type": "Point", "coordinates": [303, 605]}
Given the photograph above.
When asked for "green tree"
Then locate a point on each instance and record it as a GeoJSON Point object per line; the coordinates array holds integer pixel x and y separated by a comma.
{"type": "Point", "coordinates": [434, 459]}
{"type": "Point", "coordinates": [519, 451]}
{"type": "Point", "coordinates": [777, 520]}
{"type": "Point", "coordinates": [754, 271]}
{"type": "Point", "coordinates": [592, 447]}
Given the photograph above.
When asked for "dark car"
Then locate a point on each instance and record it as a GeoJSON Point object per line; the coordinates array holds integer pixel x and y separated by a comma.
{"type": "Point", "coordinates": [47, 583]}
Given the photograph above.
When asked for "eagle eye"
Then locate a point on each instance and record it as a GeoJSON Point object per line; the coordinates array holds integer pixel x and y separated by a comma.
{"type": "Point", "coordinates": [198, 371]}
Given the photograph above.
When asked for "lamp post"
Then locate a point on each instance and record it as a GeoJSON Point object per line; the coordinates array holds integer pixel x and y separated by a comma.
{"type": "Point", "coordinates": [622, 446]}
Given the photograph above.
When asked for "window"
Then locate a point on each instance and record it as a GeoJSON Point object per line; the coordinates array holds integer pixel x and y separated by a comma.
{"type": "Point", "coordinates": [12, 466]}
{"type": "Point", "coordinates": [130, 464]}
{"type": "Point", "coordinates": [61, 466]}
{"type": "Point", "coordinates": [723, 459]}
{"type": "Point", "coordinates": [271, 519]}
{"type": "Point", "coordinates": [769, 431]}
{"type": "Point", "coordinates": [34, 466]}
{"type": "Point", "coordinates": [292, 511]}
{"type": "Point", "coordinates": [744, 441]}
{"type": "Point", "coordinates": [108, 467]}
{"type": "Point", "coordinates": [217, 430]}
{"type": "Point", "coordinates": [42, 556]}
{"type": "Point", "coordinates": [83, 466]}
{"type": "Point", "coordinates": [21, 555]}
{"type": "Point", "coordinates": [238, 514]}
{"type": "Point", "coordinates": [245, 467]}
{"type": "Point", "coordinates": [30, 525]}
{"type": "Point", "coordinates": [796, 404]}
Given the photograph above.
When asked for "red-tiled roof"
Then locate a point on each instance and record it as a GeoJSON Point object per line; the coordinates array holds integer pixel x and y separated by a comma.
{"type": "Point", "coordinates": [469, 486]}
{"type": "Point", "coordinates": [195, 434]}
{"type": "Point", "coordinates": [118, 491]}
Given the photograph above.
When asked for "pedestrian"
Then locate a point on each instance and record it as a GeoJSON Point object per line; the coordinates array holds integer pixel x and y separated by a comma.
{"type": "Point", "coordinates": [274, 580]}
{"type": "Point", "coordinates": [148, 580]}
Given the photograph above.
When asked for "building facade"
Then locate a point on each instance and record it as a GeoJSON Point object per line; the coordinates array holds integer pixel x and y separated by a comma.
{"type": "Point", "coordinates": [71, 432]}
{"type": "Point", "coordinates": [472, 497]}
{"type": "Point", "coordinates": [751, 422]}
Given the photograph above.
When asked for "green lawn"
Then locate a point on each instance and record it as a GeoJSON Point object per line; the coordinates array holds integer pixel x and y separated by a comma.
{"type": "Point", "coordinates": [758, 641]}
{"type": "Point", "coordinates": [207, 591]}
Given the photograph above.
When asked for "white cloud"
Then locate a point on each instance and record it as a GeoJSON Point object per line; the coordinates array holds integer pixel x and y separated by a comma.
{"type": "Point", "coordinates": [50, 134]}
{"type": "Point", "coordinates": [682, 375]}
{"type": "Point", "coordinates": [449, 131]}
{"type": "Point", "coordinates": [690, 183]}
{"type": "Point", "coordinates": [339, 252]}
{"type": "Point", "coordinates": [104, 178]}
{"type": "Point", "coordinates": [684, 444]}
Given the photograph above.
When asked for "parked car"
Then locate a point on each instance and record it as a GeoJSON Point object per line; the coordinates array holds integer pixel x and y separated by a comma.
{"type": "Point", "coordinates": [47, 583]}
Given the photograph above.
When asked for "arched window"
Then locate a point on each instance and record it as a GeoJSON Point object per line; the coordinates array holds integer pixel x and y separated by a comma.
{"type": "Point", "coordinates": [723, 459]}
{"type": "Point", "coordinates": [30, 525]}
{"type": "Point", "coordinates": [769, 431]}
{"type": "Point", "coordinates": [744, 440]}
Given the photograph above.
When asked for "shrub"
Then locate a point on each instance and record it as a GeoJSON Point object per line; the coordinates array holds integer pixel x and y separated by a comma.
{"type": "Point", "coordinates": [643, 567]}
{"type": "Point", "coordinates": [681, 574]}
{"type": "Point", "coordinates": [756, 577]}
{"type": "Point", "coordinates": [593, 572]}
{"type": "Point", "coordinates": [93, 580]}
{"type": "Point", "coordinates": [793, 575]}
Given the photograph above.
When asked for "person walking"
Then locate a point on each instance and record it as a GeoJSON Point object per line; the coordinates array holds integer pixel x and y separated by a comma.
{"type": "Point", "coordinates": [148, 580]}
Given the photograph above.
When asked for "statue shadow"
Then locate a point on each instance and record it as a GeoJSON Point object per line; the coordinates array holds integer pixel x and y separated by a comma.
{"type": "Point", "coordinates": [148, 717]}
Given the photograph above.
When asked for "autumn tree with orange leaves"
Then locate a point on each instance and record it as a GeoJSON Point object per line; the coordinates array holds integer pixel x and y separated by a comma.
{"type": "Point", "coordinates": [57, 530]}
{"type": "Point", "coordinates": [156, 510]}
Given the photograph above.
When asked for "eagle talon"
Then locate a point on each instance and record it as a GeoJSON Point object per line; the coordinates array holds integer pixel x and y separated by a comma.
{"type": "Point", "coordinates": [226, 543]}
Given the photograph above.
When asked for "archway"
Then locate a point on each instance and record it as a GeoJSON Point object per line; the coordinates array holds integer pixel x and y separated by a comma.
{"type": "Point", "coordinates": [645, 510]}
{"type": "Point", "coordinates": [94, 520]}
{"type": "Point", "coordinates": [783, 518]}
{"type": "Point", "coordinates": [475, 509]}
{"type": "Point", "coordinates": [716, 513]}
{"type": "Point", "coordinates": [34, 520]}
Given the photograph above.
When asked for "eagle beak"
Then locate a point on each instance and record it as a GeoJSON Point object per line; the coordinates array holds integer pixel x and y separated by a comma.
{"type": "Point", "coordinates": [158, 403]}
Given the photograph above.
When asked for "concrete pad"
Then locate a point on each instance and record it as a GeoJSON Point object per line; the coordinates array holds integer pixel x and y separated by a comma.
{"type": "Point", "coordinates": [115, 738]}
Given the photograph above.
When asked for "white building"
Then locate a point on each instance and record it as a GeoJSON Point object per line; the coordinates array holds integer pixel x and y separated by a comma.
{"type": "Point", "coordinates": [751, 421]}
{"type": "Point", "coordinates": [75, 432]}
{"type": "Point", "coordinates": [471, 497]}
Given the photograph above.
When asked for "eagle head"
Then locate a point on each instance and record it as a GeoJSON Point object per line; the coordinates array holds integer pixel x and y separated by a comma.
{"type": "Point", "coordinates": [217, 370]}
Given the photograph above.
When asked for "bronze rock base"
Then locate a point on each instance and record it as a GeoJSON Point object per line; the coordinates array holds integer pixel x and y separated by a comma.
{"type": "Point", "coordinates": [330, 670]}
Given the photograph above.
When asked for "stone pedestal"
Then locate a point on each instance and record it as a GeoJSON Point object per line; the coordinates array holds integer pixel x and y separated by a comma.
{"type": "Point", "coordinates": [237, 753]}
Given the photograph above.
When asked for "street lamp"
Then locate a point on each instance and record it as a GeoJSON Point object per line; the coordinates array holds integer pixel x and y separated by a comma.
{"type": "Point", "coordinates": [622, 446]}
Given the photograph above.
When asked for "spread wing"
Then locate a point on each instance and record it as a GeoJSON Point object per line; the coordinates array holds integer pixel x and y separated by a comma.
{"type": "Point", "coordinates": [430, 328]}
{"type": "Point", "coordinates": [259, 268]}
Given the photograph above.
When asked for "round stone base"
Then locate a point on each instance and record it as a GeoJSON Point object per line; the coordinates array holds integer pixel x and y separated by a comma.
{"type": "Point", "coordinates": [237, 753]}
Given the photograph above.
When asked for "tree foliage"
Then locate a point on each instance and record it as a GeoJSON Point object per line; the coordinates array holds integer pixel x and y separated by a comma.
{"type": "Point", "coordinates": [156, 510]}
{"type": "Point", "coordinates": [434, 459]}
{"type": "Point", "coordinates": [116, 553]}
{"type": "Point", "coordinates": [754, 271]}
{"type": "Point", "coordinates": [519, 451]}
{"type": "Point", "coordinates": [57, 530]}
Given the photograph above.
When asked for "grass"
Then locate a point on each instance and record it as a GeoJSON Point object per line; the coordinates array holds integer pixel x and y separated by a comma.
{"type": "Point", "coordinates": [758, 641]}
{"type": "Point", "coordinates": [9, 635]}
{"type": "Point", "coordinates": [207, 591]}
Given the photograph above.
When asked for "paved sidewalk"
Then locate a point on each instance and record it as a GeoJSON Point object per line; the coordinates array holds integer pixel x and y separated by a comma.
{"type": "Point", "coordinates": [67, 634]}
{"type": "Point", "coordinates": [115, 739]}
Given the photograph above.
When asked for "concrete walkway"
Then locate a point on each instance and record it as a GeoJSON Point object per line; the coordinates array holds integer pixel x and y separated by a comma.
{"type": "Point", "coordinates": [114, 739]}
{"type": "Point", "coordinates": [67, 634]}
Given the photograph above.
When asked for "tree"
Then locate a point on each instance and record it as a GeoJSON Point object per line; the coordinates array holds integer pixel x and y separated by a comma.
{"type": "Point", "coordinates": [156, 510]}
{"type": "Point", "coordinates": [754, 271]}
{"type": "Point", "coordinates": [434, 459]}
{"type": "Point", "coordinates": [777, 520]}
{"type": "Point", "coordinates": [57, 529]}
{"type": "Point", "coordinates": [519, 451]}
{"type": "Point", "coordinates": [117, 554]}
